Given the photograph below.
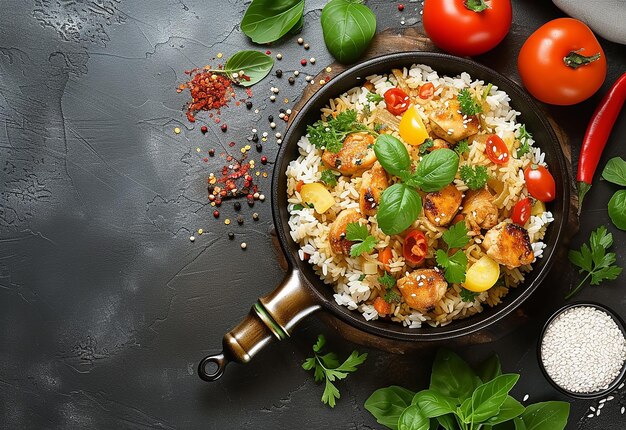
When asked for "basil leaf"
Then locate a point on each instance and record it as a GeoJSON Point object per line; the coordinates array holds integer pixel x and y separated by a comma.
{"type": "Point", "coordinates": [489, 397]}
{"type": "Point", "coordinates": [433, 404]}
{"type": "Point", "coordinates": [387, 404]}
{"type": "Point", "coordinates": [399, 207]}
{"type": "Point", "coordinates": [255, 65]}
{"type": "Point", "coordinates": [510, 409]}
{"type": "Point", "coordinates": [617, 209]}
{"type": "Point", "coordinates": [615, 171]}
{"type": "Point", "coordinates": [348, 28]}
{"type": "Point", "coordinates": [268, 20]}
{"type": "Point", "coordinates": [546, 416]}
{"type": "Point", "coordinates": [451, 376]}
{"type": "Point", "coordinates": [490, 368]}
{"type": "Point", "coordinates": [413, 419]}
{"type": "Point", "coordinates": [392, 154]}
{"type": "Point", "coordinates": [436, 170]}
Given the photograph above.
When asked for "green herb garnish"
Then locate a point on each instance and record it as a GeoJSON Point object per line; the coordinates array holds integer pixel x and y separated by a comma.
{"type": "Point", "coordinates": [474, 177]}
{"type": "Point", "coordinates": [468, 296]}
{"type": "Point", "coordinates": [469, 105]}
{"type": "Point", "coordinates": [593, 259]}
{"type": "Point", "coordinates": [374, 97]}
{"type": "Point", "coordinates": [297, 207]}
{"type": "Point", "coordinates": [523, 136]}
{"type": "Point", "coordinates": [389, 282]}
{"type": "Point", "coordinates": [462, 147]}
{"type": "Point", "coordinates": [460, 399]}
{"type": "Point", "coordinates": [326, 367]}
{"type": "Point", "coordinates": [401, 204]}
{"type": "Point", "coordinates": [356, 232]}
{"type": "Point", "coordinates": [329, 178]}
{"type": "Point", "coordinates": [331, 134]}
{"type": "Point", "coordinates": [454, 265]}
{"type": "Point", "coordinates": [425, 146]}
{"type": "Point", "coordinates": [487, 90]}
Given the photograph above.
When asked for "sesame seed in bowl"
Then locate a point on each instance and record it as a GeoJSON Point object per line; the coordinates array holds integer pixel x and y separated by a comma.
{"type": "Point", "coordinates": [582, 350]}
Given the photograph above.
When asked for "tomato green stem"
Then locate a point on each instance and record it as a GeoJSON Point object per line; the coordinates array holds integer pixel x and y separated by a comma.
{"type": "Point", "coordinates": [476, 5]}
{"type": "Point", "coordinates": [575, 60]}
{"type": "Point", "coordinates": [583, 189]}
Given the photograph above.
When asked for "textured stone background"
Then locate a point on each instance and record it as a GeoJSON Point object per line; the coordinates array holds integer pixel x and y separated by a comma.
{"type": "Point", "coordinates": [105, 305]}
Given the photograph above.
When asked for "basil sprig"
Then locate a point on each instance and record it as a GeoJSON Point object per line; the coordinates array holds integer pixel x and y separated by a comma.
{"type": "Point", "coordinates": [401, 204]}
{"type": "Point", "coordinates": [460, 399]}
{"type": "Point", "coordinates": [348, 27]}
{"type": "Point", "coordinates": [266, 21]}
{"type": "Point", "coordinates": [254, 64]}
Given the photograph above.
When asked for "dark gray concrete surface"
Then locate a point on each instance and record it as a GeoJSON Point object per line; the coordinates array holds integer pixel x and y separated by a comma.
{"type": "Point", "coordinates": [105, 305]}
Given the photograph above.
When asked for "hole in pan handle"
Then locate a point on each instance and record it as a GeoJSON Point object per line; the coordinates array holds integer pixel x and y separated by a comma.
{"type": "Point", "coordinates": [219, 360]}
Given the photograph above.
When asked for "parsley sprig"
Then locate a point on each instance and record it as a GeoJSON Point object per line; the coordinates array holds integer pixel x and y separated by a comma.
{"type": "Point", "coordinates": [469, 105]}
{"type": "Point", "coordinates": [425, 146]}
{"type": "Point", "coordinates": [467, 295]}
{"type": "Point", "coordinates": [593, 259]}
{"type": "Point", "coordinates": [474, 177]}
{"type": "Point", "coordinates": [462, 147]}
{"type": "Point", "coordinates": [523, 136]}
{"type": "Point", "coordinates": [454, 265]}
{"type": "Point", "coordinates": [389, 282]}
{"type": "Point", "coordinates": [329, 178]}
{"type": "Point", "coordinates": [327, 367]}
{"type": "Point", "coordinates": [374, 97]}
{"type": "Point", "coordinates": [330, 134]}
{"type": "Point", "coordinates": [356, 232]}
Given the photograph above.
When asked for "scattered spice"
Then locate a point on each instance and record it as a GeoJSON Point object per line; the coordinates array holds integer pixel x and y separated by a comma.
{"type": "Point", "coordinates": [306, 46]}
{"type": "Point", "coordinates": [279, 73]}
{"type": "Point", "coordinates": [244, 245]}
{"type": "Point", "coordinates": [255, 216]}
{"type": "Point", "coordinates": [209, 91]}
{"type": "Point", "coordinates": [177, 130]}
{"type": "Point", "coordinates": [237, 206]}
{"type": "Point", "coordinates": [216, 213]}
{"type": "Point", "coordinates": [303, 62]}
{"type": "Point", "coordinates": [240, 220]}
{"type": "Point", "coordinates": [291, 80]}
{"type": "Point", "coordinates": [192, 238]}
{"type": "Point", "coordinates": [259, 147]}
{"type": "Point", "coordinates": [200, 231]}
{"type": "Point", "coordinates": [400, 7]}
{"type": "Point", "coordinates": [204, 129]}
{"type": "Point", "coordinates": [231, 235]}
{"type": "Point", "coordinates": [312, 60]}
{"type": "Point", "coordinates": [249, 105]}
{"type": "Point", "coordinates": [211, 152]}
{"type": "Point", "coordinates": [264, 160]}
{"type": "Point", "coordinates": [300, 41]}
{"type": "Point", "coordinates": [224, 127]}
{"type": "Point", "coordinates": [227, 221]}
{"type": "Point", "coordinates": [279, 56]}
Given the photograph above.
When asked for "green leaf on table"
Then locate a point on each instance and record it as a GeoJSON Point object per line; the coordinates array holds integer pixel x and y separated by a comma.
{"type": "Point", "coordinates": [268, 20]}
{"type": "Point", "coordinates": [255, 66]}
{"type": "Point", "coordinates": [348, 28]}
{"type": "Point", "coordinates": [412, 418]}
{"type": "Point", "coordinates": [399, 207]}
{"type": "Point", "coordinates": [490, 368]}
{"type": "Point", "coordinates": [452, 376]}
{"type": "Point", "coordinates": [546, 416]}
{"type": "Point", "coordinates": [617, 209]}
{"type": "Point", "coordinates": [387, 404]}
{"type": "Point", "coordinates": [615, 171]}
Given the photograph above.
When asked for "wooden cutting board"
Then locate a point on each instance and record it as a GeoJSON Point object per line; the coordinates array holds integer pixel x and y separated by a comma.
{"type": "Point", "coordinates": [410, 39]}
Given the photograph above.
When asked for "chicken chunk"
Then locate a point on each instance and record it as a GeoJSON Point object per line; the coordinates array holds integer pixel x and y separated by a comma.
{"type": "Point", "coordinates": [479, 210]}
{"type": "Point", "coordinates": [373, 184]}
{"type": "Point", "coordinates": [356, 155]}
{"type": "Point", "coordinates": [509, 245]}
{"type": "Point", "coordinates": [423, 288]}
{"type": "Point", "coordinates": [441, 206]}
{"type": "Point", "coordinates": [451, 125]}
{"type": "Point", "coordinates": [337, 234]}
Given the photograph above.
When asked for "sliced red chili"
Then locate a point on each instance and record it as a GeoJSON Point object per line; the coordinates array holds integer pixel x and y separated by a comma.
{"type": "Point", "coordinates": [397, 101]}
{"type": "Point", "coordinates": [497, 150]}
{"type": "Point", "coordinates": [415, 247]}
{"type": "Point", "coordinates": [426, 91]}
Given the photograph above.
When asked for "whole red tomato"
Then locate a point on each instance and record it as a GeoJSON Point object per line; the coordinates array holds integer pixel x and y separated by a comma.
{"type": "Point", "coordinates": [540, 183]}
{"type": "Point", "coordinates": [466, 27]}
{"type": "Point", "coordinates": [562, 62]}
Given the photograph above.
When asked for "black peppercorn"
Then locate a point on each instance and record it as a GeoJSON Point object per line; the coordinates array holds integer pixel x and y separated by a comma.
{"type": "Point", "coordinates": [291, 80]}
{"type": "Point", "coordinates": [237, 206]}
{"type": "Point", "coordinates": [282, 110]}
{"type": "Point", "coordinates": [259, 147]}
{"type": "Point", "coordinates": [211, 152]}
{"type": "Point", "coordinates": [279, 73]}
{"type": "Point", "coordinates": [255, 137]}
{"type": "Point", "coordinates": [255, 216]}
{"type": "Point", "coordinates": [270, 118]}
{"type": "Point", "coordinates": [240, 220]}
{"type": "Point", "coordinates": [249, 104]}
{"type": "Point", "coordinates": [231, 235]}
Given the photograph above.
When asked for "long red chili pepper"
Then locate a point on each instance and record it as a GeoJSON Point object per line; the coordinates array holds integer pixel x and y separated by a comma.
{"type": "Point", "coordinates": [597, 134]}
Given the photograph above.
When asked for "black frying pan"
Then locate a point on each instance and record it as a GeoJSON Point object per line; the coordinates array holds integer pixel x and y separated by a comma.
{"type": "Point", "coordinates": [302, 292]}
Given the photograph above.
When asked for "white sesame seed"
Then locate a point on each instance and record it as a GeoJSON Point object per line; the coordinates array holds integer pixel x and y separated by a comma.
{"type": "Point", "coordinates": [272, 124]}
{"type": "Point", "coordinates": [526, 397]}
{"type": "Point", "coordinates": [192, 238]}
{"type": "Point", "coordinates": [312, 60]}
{"type": "Point", "coordinates": [278, 135]}
{"type": "Point", "coordinates": [279, 141]}
{"type": "Point", "coordinates": [243, 245]}
{"type": "Point", "coordinates": [288, 111]}
{"type": "Point", "coordinates": [300, 41]}
{"type": "Point", "coordinates": [296, 72]}
{"type": "Point", "coordinates": [279, 56]}
{"type": "Point", "coordinates": [273, 97]}
{"type": "Point", "coordinates": [262, 197]}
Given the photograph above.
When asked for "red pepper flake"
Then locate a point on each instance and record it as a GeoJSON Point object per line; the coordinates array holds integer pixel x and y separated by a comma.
{"type": "Point", "coordinates": [235, 180]}
{"type": "Point", "coordinates": [204, 129]}
{"type": "Point", "coordinates": [209, 91]}
{"type": "Point", "coordinates": [268, 52]}
{"type": "Point", "coordinates": [205, 159]}
{"type": "Point", "coordinates": [400, 7]}
{"type": "Point", "coordinates": [303, 62]}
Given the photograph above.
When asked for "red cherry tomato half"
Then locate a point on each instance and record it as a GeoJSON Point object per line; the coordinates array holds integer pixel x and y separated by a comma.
{"type": "Point", "coordinates": [540, 183]}
{"type": "Point", "coordinates": [497, 150]}
{"type": "Point", "coordinates": [521, 211]}
{"type": "Point", "coordinates": [397, 101]}
{"type": "Point", "coordinates": [426, 91]}
{"type": "Point", "coordinates": [415, 247]}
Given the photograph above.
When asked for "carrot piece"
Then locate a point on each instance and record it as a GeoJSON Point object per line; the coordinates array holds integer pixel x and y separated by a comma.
{"type": "Point", "coordinates": [384, 256]}
{"type": "Point", "coordinates": [299, 186]}
{"type": "Point", "coordinates": [382, 307]}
